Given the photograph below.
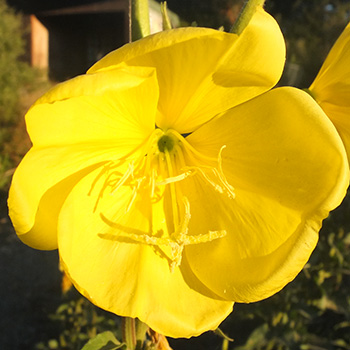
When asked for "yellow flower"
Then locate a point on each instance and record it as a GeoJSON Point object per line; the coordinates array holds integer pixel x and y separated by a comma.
{"type": "Point", "coordinates": [331, 88]}
{"type": "Point", "coordinates": [173, 183]}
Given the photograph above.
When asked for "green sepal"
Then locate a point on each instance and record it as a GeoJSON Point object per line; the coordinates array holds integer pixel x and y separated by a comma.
{"type": "Point", "coordinates": [165, 16]}
{"type": "Point", "coordinates": [134, 333]}
{"type": "Point", "coordinates": [141, 330]}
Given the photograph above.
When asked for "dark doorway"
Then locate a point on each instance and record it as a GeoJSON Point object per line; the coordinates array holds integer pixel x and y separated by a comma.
{"type": "Point", "coordinates": [77, 41]}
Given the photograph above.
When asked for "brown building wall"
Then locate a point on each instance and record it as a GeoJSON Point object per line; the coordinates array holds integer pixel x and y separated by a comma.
{"type": "Point", "coordinates": [39, 44]}
{"type": "Point", "coordinates": [67, 41]}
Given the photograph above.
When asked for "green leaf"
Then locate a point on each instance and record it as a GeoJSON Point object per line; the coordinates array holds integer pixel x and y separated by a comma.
{"type": "Point", "coordinates": [103, 341]}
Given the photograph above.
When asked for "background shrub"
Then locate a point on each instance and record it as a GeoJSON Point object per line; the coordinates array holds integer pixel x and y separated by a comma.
{"type": "Point", "coordinates": [15, 77]}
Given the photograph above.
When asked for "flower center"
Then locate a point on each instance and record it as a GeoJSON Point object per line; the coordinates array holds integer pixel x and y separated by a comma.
{"type": "Point", "coordinates": [167, 159]}
{"type": "Point", "coordinates": [165, 144]}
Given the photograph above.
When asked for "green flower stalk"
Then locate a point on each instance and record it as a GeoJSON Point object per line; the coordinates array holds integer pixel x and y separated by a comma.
{"type": "Point", "coordinates": [248, 10]}
{"type": "Point", "coordinates": [139, 19]}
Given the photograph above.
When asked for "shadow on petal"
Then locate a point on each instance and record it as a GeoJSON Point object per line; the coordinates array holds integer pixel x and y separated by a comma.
{"type": "Point", "coordinates": [43, 234]}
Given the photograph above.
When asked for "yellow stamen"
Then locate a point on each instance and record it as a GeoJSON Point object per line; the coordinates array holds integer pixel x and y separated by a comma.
{"type": "Point", "coordinates": [172, 189]}
{"type": "Point", "coordinates": [163, 161]}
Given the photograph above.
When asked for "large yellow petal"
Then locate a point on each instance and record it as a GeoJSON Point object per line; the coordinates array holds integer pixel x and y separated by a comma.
{"type": "Point", "coordinates": [85, 121]}
{"type": "Point", "coordinates": [34, 204]}
{"type": "Point", "coordinates": [265, 247]}
{"type": "Point", "coordinates": [97, 108]}
{"type": "Point", "coordinates": [337, 61]}
{"type": "Point", "coordinates": [339, 115]}
{"type": "Point", "coordinates": [288, 167]}
{"type": "Point", "coordinates": [331, 88]}
{"type": "Point", "coordinates": [127, 277]}
{"type": "Point", "coordinates": [203, 72]}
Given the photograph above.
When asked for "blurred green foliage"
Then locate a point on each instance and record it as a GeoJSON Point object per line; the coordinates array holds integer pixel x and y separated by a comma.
{"type": "Point", "coordinates": [310, 29]}
{"type": "Point", "coordinates": [15, 76]}
{"type": "Point", "coordinates": [77, 321]}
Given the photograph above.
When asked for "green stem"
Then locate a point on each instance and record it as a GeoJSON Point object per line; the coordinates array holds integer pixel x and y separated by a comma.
{"type": "Point", "coordinates": [133, 333]}
{"type": "Point", "coordinates": [139, 19]}
{"type": "Point", "coordinates": [246, 14]}
{"type": "Point", "coordinates": [129, 332]}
